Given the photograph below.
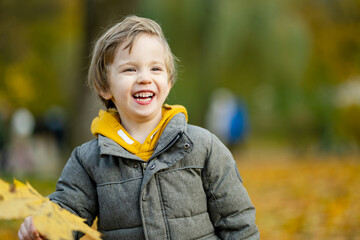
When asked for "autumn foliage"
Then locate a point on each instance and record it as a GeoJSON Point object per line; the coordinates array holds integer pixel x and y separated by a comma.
{"type": "Point", "coordinates": [20, 200]}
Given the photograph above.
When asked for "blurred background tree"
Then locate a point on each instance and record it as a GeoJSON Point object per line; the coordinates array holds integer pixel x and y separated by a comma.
{"type": "Point", "coordinates": [38, 39]}
{"type": "Point", "coordinates": [286, 60]}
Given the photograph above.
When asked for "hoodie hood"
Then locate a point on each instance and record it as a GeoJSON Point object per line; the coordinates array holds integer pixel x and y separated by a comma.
{"type": "Point", "coordinates": [107, 123]}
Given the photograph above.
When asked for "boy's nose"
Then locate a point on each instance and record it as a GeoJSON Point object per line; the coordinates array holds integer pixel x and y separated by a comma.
{"type": "Point", "coordinates": [144, 78]}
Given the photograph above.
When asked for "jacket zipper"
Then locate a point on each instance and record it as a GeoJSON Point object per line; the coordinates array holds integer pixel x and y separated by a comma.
{"type": "Point", "coordinates": [170, 144]}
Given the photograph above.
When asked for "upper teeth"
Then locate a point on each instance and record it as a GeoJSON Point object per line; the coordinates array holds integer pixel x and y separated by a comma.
{"type": "Point", "coordinates": [143, 94]}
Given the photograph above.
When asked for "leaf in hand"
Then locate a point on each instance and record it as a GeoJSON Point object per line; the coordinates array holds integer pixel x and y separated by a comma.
{"type": "Point", "coordinates": [20, 200]}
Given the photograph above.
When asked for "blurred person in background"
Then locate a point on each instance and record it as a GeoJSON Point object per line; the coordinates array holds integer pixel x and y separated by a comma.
{"type": "Point", "coordinates": [227, 117]}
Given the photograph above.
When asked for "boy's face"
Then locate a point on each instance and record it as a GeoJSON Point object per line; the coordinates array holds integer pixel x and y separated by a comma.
{"type": "Point", "coordinates": [139, 80]}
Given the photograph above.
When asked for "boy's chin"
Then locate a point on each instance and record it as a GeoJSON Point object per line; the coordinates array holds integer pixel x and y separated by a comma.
{"type": "Point", "coordinates": [145, 116]}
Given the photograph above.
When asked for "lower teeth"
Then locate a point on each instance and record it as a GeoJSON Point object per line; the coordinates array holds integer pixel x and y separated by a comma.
{"type": "Point", "coordinates": [143, 99]}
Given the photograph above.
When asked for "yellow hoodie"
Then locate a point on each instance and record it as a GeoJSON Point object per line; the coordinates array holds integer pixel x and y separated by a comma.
{"type": "Point", "coordinates": [108, 125]}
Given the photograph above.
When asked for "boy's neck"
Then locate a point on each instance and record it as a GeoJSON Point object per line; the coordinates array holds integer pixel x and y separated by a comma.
{"type": "Point", "coordinates": [140, 130]}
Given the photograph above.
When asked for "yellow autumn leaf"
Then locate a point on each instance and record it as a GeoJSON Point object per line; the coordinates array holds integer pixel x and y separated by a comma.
{"type": "Point", "coordinates": [18, 200]}
{"type": "Point", "coordinates": [21, 200]}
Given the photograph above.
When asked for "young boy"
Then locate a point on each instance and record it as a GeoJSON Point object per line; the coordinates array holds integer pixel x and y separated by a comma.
{"type": "Point", "coordinates": [149, 174]}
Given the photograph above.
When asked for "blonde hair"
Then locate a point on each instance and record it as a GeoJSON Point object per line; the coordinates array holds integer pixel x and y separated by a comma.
{"type": "Point", "coordinates": [105, 48]}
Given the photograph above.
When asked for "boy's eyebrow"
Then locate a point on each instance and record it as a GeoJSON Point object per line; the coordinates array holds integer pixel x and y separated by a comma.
{"type": "Point", "coordinates": [125, 63]}
{"type": "Point", "coordinates": [158, 62]}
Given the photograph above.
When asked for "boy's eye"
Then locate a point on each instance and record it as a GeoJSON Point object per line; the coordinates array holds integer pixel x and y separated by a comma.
{"type": "Point", "coordinates": [129, 70]}
{"type": "Point", "coordinates": [156, 69]}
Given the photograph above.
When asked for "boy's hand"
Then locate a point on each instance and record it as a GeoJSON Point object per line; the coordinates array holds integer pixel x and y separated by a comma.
{"type": "Point", "coordinates": [28, 231]}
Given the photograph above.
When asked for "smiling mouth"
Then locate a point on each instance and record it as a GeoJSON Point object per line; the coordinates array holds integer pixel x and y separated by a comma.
{"type": "Point", "coordinates": [143, 96]}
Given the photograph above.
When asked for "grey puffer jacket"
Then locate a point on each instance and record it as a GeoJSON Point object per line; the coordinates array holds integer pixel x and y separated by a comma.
{"type": "Point", "coordinates": [189, 189]}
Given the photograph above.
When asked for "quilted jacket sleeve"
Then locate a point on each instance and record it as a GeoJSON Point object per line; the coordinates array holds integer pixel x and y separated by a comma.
{"type": "Point", "coordinates": [75, 190]}
{"type": "Point", "coordinates": [229, 205]}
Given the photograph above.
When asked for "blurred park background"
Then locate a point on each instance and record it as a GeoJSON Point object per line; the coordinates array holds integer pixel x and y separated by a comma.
{"type": "Point", "coordinates": [289, 70]}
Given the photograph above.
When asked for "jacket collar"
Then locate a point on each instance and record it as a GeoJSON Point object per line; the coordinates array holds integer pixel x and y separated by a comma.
{"type": "Point", "coordinates": [175, 128]}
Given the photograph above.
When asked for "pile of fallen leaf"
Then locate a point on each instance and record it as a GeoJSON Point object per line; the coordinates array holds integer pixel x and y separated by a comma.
{"type": "Point", "coordinates": [20, 200]}
{"type": "Point", "coordinates": [304, 197]}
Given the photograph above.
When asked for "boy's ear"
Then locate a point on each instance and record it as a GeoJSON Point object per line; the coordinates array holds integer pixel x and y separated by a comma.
{"type": "Point", "coordinates": [105, 95]}
{"type": "Point", "coordinates": [169, 85]}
